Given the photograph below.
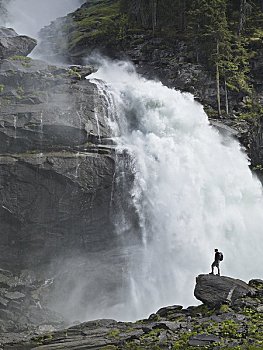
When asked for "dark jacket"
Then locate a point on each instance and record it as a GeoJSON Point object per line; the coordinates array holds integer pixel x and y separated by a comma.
{"type": "Point", "coordinates": [217, 256]}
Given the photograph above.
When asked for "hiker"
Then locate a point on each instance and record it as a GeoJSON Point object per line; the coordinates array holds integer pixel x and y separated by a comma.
{"type": "Point", "coordinates": [218, 258]}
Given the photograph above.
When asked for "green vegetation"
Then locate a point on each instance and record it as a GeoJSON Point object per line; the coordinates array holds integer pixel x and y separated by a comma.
{"type": "Point", "coordinates": [132, 346]}
{"type": "Point", "coordinates": [224, 36]}
{"type": "Point", "coordinates": [2, 87]}
{"type": "Point", "coordinates": [222, 33]}
{"type": "Point", "coordinates": [182, 342]}
{"type": "Point", "coordinates": [114, 333]}
{"type": "Point", "coordinates": [20, 92]}
{"type": "Point", "coordinates": [100, 22]}
{"type": "Point", "coordinates": [43, 339]}
{"type": "Point", "coordinates": [74, 73]}
{"type": "Point", "coordinates": [21, 58]}
{"type": "Point", "coordinates": [224, 308]}
{"type": "Point", "coordinates": [24, 60]}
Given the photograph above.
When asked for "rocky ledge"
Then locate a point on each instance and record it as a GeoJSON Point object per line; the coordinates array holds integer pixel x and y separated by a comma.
{"type": "Point", "coordinates": [232, 323]}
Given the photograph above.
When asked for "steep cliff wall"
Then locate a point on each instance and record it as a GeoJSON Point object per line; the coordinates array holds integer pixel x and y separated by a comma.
{"type": "Point", "coordinates": [56, 184]}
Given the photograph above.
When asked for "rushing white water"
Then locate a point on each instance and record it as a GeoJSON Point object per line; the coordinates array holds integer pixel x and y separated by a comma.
{"type": "Point", "coordinates": [193, 191]}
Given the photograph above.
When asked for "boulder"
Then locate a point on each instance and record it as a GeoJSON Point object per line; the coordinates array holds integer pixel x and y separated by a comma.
{"type": "Point", "coordinates": [215, 290]}
{"type": "Point", "coordinates": [12, 44]}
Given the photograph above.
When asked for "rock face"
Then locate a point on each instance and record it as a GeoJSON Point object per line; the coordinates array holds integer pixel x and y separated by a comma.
{"type": "Point", "coordinates": [45, 106]}
{"type": "Point", "coordinates": [13, 44]}
{"type": "Point", "coordinates": [23, 312]}
{"type": "Point", "coordinates": [57, 185]}
{"type": "Point", "coordinates": [215, 290]}
{"type": "Point", "coordinates": [55, 180]}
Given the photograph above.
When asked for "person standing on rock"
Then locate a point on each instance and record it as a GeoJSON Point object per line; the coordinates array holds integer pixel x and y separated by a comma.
{"type": "Point", "coordinates": [218, 258]}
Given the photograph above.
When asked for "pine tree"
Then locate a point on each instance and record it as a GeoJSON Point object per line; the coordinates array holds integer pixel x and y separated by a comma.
{"type": "Point", "coordinates": [210, 31]}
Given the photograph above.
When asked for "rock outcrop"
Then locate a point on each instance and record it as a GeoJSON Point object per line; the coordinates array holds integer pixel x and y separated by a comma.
{"type": "Point", "coordinates": [236, 326]}
{"type": "Point", "coordinates": [214, 290]}
{"type": "Point", "coordinates": [12, 44]}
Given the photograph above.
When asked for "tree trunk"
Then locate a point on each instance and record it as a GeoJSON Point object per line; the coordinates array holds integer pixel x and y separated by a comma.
{"type": "Point", "coordinates": [144, 14]}
{"type": "Point", "coordinates": [182, 24]}
{"type": "Point", "coordinates": [242, 16]}
{"type": "Point", "coordinates": [218, 82]}
{"type": "Point", "coordinates": [226, 97]}
{"type": "Point", "coordinates": [154, 15]}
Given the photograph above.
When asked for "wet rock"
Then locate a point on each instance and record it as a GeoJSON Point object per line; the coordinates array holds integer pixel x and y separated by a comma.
{"type": "Point", "coordinates": [203, 340]}
{"type": "Point", "coordinates": [215, 290]}
{"type": "Point", "coordinates": [12, 44]}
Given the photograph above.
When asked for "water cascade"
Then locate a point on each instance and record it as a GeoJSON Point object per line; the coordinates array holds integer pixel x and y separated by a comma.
{"type": "Point", "coordinates": [192, 192]}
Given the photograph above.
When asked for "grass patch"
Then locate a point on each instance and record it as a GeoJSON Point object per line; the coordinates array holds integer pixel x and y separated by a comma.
{"type": "Point", "coordinates": [114, 333]}
{"type": "Point", "coordinates": [24, 59]}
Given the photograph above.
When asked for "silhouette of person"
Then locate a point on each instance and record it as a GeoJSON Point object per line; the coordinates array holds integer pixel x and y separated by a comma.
{"type": "Point", "coordinates": [216, 262]}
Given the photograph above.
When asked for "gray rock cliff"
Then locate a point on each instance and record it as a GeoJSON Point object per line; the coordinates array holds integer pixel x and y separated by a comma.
{"type": "Point", "coordinates": [55, 182]}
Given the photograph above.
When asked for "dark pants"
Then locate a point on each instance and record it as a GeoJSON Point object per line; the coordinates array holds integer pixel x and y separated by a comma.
{"type": "Point", "coordinates": [215, 264]}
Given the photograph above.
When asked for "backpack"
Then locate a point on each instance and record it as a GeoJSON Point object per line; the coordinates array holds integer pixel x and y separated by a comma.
{"type": "Point", "coordinates": [221, 256]}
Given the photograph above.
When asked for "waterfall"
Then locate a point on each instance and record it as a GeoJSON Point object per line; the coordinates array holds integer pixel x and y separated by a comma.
{"type": "Point", "coordinates": [192, 191]}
